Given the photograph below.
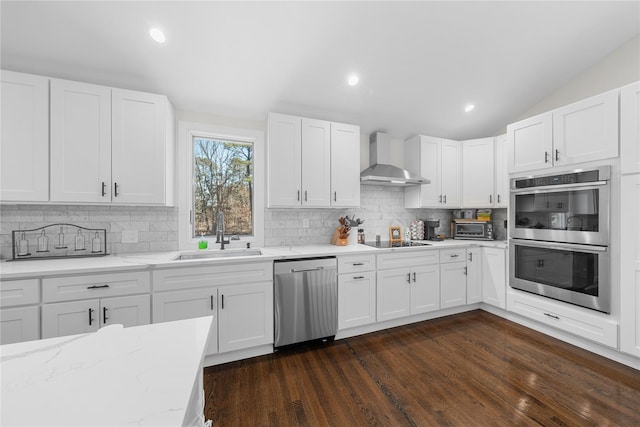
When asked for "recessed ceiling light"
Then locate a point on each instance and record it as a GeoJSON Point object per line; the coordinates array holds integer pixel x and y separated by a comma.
{"type": "Point", "coordinates": [353, 80]}
{"type": "Point", "coordinates": [157, 35]}
{"type": "Point", "coordinates": [469, 107]}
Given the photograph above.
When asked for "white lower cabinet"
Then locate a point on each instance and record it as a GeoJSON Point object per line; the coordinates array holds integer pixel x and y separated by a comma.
{"type": "Point", "coordinates": [404, 291]}
{"type": "Point", "coordinates": [19, 324]}
{"type": "Point", "coordinates": [187, 304]}
{"type": "Point", "coordinates": [474, 275]}
{"type": "Point", "coordinates": [78, 317]}
{"type": "Point", "coordinates": [494, 276]}
{"type": "Point", "coordinates": [453, 284]}
{"type": "Point", "coordinates": [356, 290]}
{"type": "Point", "coordinates": [240, 297]}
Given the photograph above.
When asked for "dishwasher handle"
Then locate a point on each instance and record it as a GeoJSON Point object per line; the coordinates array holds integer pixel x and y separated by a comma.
{"type": "Point", "coordinates": [307, 269]}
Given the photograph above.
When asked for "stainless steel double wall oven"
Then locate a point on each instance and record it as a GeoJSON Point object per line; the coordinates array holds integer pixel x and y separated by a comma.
{"type": "Point", "coordinates": [559, 236]}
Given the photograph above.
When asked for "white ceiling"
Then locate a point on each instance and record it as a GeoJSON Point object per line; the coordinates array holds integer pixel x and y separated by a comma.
{"type": "Point", "coordinates": [419, 62]}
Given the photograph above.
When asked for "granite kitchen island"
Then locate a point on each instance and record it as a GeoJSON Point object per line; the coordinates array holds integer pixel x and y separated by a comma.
{"type": "Point", "coordinates": [144, 375]}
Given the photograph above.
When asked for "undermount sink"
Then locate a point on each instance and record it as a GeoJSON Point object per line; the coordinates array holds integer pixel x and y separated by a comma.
{"type": "Point", "coordinates": [218, 254]}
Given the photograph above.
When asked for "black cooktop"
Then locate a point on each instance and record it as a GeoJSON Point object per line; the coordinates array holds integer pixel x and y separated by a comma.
{"type": "Point", "coordinates": [387, 244]}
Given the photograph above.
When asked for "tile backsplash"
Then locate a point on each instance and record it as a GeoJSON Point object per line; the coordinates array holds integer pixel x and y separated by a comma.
{"type": "Point", "coordinates": [157, 227]}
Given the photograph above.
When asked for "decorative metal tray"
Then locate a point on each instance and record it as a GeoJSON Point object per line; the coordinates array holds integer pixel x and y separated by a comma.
{"type": "Point", "coordinates": [58, 241]}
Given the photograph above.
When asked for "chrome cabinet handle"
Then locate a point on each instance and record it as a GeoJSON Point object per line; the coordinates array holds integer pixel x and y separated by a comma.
{"type": "Point", "coordinates": [298, 195]}
{"type": "Point", "coordinates": [335, 196]}
{"type": "Point", "coordinates": [97, 286]}
{"type": "Point", "coordinates": [454, 255]}
{"type": "Point", "coordinates": [444, 199]}
{"type": "Point", "coordinates": [90, 316]}
{"type": "Point", "coordinates": [557, 155]}
{"type": "Point", "coordinates": [490, 198]}
{"type": "Point", "coordinates": [358, 263]}
{"type": "Point", "coordinates": [470, 256]}
{"type": "Point", "coordinates": [465, 271]}
{"type": "Point", "coordinates": [552, 316]}
{"type": "Point", "coordinates": [222, 297]}
{"type": "Point", "coordinates": [104, 315]}
{"type": "Point", "coordinates": [414, 277]}
{"type": "Point", "coordinates": [440, 199]}
{"type": "Point", "coordinates": [498, 198]}
{"type": "Point", "coordinates": [358, 277]}
{"type": "Point", "coordinates": [305, 195]}
{"type": "Point", "coordinates": [546, 157]}
{"type": "Point", "coordinates": [408, 277]}
{"type": "Point", "coordinates": [211, 302]}
{"type": "Point", "coordinates": [104, 189]}
{"type": "Point", "coordinates": [115, 189]}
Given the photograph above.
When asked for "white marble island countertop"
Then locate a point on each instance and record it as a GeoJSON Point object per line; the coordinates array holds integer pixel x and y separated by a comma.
{"type": "Point", "coordinates": [140, 376]}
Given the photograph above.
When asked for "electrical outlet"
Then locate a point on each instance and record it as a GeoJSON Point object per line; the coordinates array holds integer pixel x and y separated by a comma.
{"type": "Point", "coordinates": [129, 236]}
{"type": "Point", "coordinates": [305, 223]}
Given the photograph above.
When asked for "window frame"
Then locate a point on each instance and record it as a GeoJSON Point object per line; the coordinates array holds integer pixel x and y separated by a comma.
{"type": "Point", "coordinates": [186, 132]}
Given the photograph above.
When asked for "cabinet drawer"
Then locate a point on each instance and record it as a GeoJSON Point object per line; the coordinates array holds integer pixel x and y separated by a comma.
{"type": "Point", "coordinates": [407, 259]}
{"type": "Point", "coordinates": [94, 286]}
{"type": "Point", "coordinates": [453, 255]}
{"type": "Point", "coordinates": [355, 263]}
{"type": "Point", "coordinates": [19, 292]}
{"type": "Point", "coordinates": [575, 321]}
{"type": "Point", "coordinates": [201, 277]}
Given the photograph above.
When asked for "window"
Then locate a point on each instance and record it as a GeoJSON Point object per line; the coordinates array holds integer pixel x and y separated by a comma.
{"type": "Point", "coordinates": [220, 169]}
{"type": "Point", "coordinates": [222, 182]}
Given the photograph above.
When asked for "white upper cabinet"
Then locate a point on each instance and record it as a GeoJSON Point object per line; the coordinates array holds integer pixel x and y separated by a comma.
{"type": "Point", "coordinates": [141, 148]}
{"type": "Point", "coordinates": [284, 159]}
{"type": "Point", "coordinates": [316, 162]}
{"type": "Point", "coordinates": [478, 171]}
{"type": "Point", "coordinates": [438, 160]}
{"type": "Point", "coordinates": [345, 165]}
{"type": "Point", "coordinates": [530, 143]}
{"type": "Point", "coordinates": [80, 142]}
{"type": "Point", "coordinates": [24, 147]}
{"type": "Point", "coordinates": [501, 199]}
{"type": "Point", "coordinates": [586, 130]}
{"type": "Point", "coordinates": [629, 128]}
{"type": "Point", "coordinates": [312, 163]}
{"type": "Point", "coordinates": [580, 132]}
{"type": "Point", "coordinates": [110, 145]}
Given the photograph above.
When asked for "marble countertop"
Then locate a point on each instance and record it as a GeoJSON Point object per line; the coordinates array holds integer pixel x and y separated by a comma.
{"type": "Point", "coordinates": [131, 262]}
{"type": "Point", "coordinates": [142, 375]}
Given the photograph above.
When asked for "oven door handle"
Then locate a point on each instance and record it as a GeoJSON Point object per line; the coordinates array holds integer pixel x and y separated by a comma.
{"type": "Point", "coordinates": [559, 246]}
{"type": "Point", "coordinates": [558, 188]}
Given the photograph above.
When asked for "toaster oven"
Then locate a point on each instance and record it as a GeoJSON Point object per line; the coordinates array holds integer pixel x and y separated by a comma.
{"type": "Point", "coordinates": [473, 230]}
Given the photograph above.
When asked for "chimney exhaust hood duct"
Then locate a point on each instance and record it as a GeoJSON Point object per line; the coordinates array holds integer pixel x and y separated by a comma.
{"type": "Point", "coordinates": [381, 172]}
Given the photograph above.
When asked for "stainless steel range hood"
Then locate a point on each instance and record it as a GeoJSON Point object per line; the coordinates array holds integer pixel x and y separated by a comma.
{"type": "Point", "coordinates": [381, 172]}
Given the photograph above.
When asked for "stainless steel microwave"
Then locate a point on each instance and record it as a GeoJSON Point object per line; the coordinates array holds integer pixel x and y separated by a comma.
{"type": "Point", "coordinates": [473, 230]}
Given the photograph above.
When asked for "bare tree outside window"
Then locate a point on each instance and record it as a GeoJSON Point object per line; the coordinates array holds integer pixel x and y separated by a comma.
{"type": "Point", "coordinates": [222, 180]}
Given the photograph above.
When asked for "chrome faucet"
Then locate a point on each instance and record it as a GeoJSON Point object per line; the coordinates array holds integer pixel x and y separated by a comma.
{"type": "Point", "coordinates": [220, 231]}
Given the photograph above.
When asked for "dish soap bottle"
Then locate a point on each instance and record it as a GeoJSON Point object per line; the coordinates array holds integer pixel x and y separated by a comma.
{"type": "Point", "coordinates": [202, 243]}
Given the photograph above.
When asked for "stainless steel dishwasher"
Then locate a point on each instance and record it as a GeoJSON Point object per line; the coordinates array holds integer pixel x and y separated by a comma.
{"type": "Point", "coordinates": [306, 300]}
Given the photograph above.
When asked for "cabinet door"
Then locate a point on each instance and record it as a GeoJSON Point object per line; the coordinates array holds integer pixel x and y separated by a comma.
{"type": "Point", "coordinates": [393, 294]}
{"type": "Point", "coordinates": [425, 289]}
{"type": "Point", "coordinates": [478, 172]}
{"type": "Point", "coordinates": [245, 316]}
{"type": "Point", "coordinates": [80, 142]}
{"type": "Point", "coordinates": [630, 266]}
{"type": "Point", "coordinates": [356, 299]}
{"type": "Point", "coordinates": [138, 147]}
{"type": "Point", "coordinates": [453, 284]}
{"type": "Point", "coordinates": [127, 311]}
{"type": "Point", "coordinates": [19, 324]}
{"type": "Point", "coordinates": [284, 159]}
{"type": "Point", "coordinates": [179, 305]}
{"type": "Point", "coordinates": [501, 198]}
{"type": "Point", "coordinates": [494, 276]}
{"type": "Point", "coordinates": [451, 178]}
{"type": "Point", "coordinates": [316, 163]}
{"type": "Point", "coordinates": [530, 143]}
{"type": "Point", "coordinates": [586, 130]}
{"type": "Point", "coordinates": [70, 318]}
{"type": "Point", "coordinates": [24, 150]}
{"type": "Point", "coordinates": [629, 128]}
{"type": "Point", "coordinates": [422, 155]}
{"type": "Point", "coordinates": [345, 165]}
{"type": "Point", "coordinates": [474, 275]}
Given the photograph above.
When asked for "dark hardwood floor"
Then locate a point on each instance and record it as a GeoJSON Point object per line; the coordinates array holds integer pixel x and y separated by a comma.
{"type": "Point", "coordinates": [471, 369]}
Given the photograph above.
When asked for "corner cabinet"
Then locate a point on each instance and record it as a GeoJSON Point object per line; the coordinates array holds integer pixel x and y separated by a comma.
{"type": "Point", "coordinates": [580, 132]}
{"type": "Point", "coordinates": [438, 160]}
{"type": "Point", "coordinates": [630, 266]}
{"type": "Point", "coordinates": [312, 163]}
{"type": "Point", "coordinates": [110, 145]}
{"type": "Point", "coordinates": [24, 141]}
